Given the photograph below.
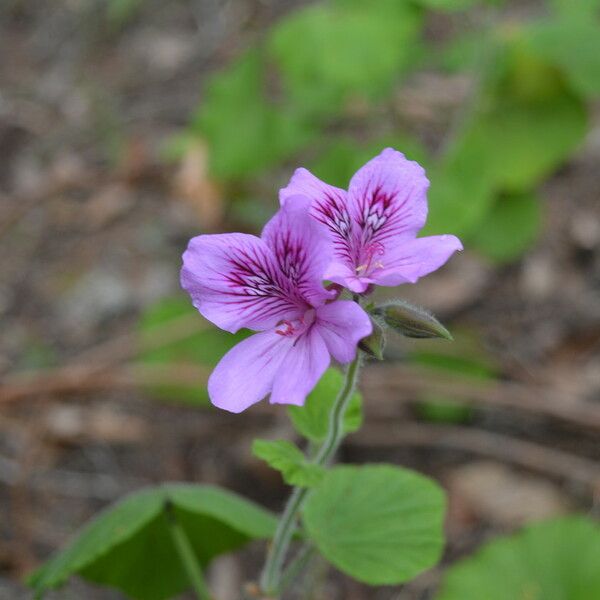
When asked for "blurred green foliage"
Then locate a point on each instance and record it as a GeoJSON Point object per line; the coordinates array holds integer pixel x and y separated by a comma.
{"type": "Point", "coordinates": [319, 89]}
{"type": "Point", "coordinates": [312, 419]}
{"type": "Point", "coordinates": [553, 560]}
{"type": "Point", "coordinates": [173, 334]}
{"type": "Point", "coordinates": [466, 359]}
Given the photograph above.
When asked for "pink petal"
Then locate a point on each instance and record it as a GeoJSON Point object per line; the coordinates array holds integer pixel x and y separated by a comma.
{"type": "Point", "coordinates": [234, 281]}
{"type": "Point", "coordinates": [412, 259]}
{"type": "Point", "coordinates": [304, 364]}
{"type": "Point", "coordinates": [329, 207]}
{"type": "Point", "coordinates": [387, 198]}
{"type": "Point", "coordinates": [301, 251]}
{"type": "Point", "coordinates": [347, 278]}
{"type": "Point", "coordinates": [304, 183]}
{"type": "Point", "coordinates": [245, 374]}
{"type": "Point", "coordinates": [342, 325]}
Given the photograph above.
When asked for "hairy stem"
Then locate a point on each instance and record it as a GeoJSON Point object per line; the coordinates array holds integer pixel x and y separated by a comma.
{"type": "Point", "coordinates": [270, 580]}
{"type": "Point", "coordinates": [187, 556]}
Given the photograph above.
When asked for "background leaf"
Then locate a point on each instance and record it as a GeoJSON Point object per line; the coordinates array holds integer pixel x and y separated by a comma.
{"type": "Point", "coordinates": [515, 144]}
{"type": "Point", "coordinates": [245, 130]}
{"type": "Point", "coordinates": [555, 560]}
{"type": "Point", "coordinates": [289, 460]}
{"type": "Point", "coordinates": [201, 344]}
{"type": "Point", "coordinates": [327, 54]}
{"type": "Point", "coordinates": [454, 5]}
{"type": "Point", "coordinates": [379, 524]}
{"type": "Point", "coordinates": [312, 419]}
{"type": "Point", "coordinates": [128, 546]}
{"type": "Point", "coordinates": [344, 156]}
{"type": "Point", "coordinates": [573, 44]}
{"type": "Point", "coordinates": [509, 229]}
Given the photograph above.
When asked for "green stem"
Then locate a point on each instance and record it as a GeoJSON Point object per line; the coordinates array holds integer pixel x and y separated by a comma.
{"type": "Point", "coordinates": [186, 555]}
{"type": "Point", "coordinates": [297, 565]}
{"type": "Point", "coordinates": [335, 431]}
{"type": "Point", "coordinates": [270, 580]}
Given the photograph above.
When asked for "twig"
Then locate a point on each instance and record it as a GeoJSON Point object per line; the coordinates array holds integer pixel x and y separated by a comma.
{"type": "Point", "coordinates": [387, 386]}
{"type": "Point", "coordinates": [77, 380]}
{"type": "Point", "coordinates": [397, 383]}
{"type": "Point", "coordinates": [530, 455]}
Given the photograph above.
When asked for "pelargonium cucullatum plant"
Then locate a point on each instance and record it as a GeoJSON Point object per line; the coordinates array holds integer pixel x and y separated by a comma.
{"type": "Point", "coordinates": [274, 285]}
{"type": "Point", "coordinates": [302, 287]}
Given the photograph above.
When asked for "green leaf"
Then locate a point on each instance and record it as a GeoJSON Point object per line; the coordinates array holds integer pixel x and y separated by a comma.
{"type": "Point", "coordinates": [120, 12]}
{"type": "Point", "coordinates": [454, 5]}
{"type": "Point", "coordinates": [289, 460]}
{"type": "Point", "coordinates": [515, 145]}
{"type": "Point", "coordinates": [200, 344]}
{"type": "Point", "coordinates": [555, 560]}
{"type": "Point", "coordinates": [329, 54]}
{"type": "Point", "coordinates": [312, 419]}
{"type": "Point", "coordinates": [509, 229]}
{"type": "Point", "coordinates": [573, 44]}
{"type": "Point", "coordinates": [464, 52]}
{"type": "Point", "coordinates": [459, 197]}
{"type": "Point", "coordinates": [379, 524]}
{"type": "Point", "coordinates": [128, 546]}
{"type": "Point", "coordinates": [247, 132]}
{"type": "Point", "coordinates": [343, 157]}
{"type": "Point", "coordinates": [576, 8]}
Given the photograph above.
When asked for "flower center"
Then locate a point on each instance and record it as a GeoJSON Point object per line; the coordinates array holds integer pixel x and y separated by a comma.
{"type": "Point", "coordinates": [369, 260]}
{"type": "Point", "coordinates": [297, 327]}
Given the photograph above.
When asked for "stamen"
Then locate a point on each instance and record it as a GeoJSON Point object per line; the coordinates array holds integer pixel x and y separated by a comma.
{"type": "Point", "coordinates": [372, 250]}
{"type": "Point", "coordinates": [289, 329]}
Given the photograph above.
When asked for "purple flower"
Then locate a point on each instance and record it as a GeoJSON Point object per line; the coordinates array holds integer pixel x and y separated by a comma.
{"type": "Point", "coordinates": [374, 225]}
{"type": "Point", "coordinates": [272, 284]}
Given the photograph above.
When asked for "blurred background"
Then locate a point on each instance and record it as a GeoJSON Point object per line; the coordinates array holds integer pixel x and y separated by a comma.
{"type": "Point", "coordinates": [129, 126]}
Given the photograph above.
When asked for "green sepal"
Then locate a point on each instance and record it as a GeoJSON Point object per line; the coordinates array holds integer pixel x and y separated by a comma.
{"type": "Point", "coordinates": [374, 344]}
{"type": "Point", "coordinates": [411, 321]}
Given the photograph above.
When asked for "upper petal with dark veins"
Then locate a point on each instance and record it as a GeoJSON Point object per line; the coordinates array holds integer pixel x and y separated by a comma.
{"type": "Point", "coordinates": [387, 199]}
{"type": "Point", "coordinates": [302, 253]}
{"type": "Point", "coordinates": [235, 281]}
{"type": "Point", "coordinates": [329, 207]}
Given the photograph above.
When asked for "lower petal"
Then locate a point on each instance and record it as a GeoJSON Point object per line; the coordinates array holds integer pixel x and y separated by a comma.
{"type": "Point", "coordinates": [245, 374]}
{"type": "Point", "coordinates": [413, 259]}
{"type": "Point", "coordinates": [303, 366]}
{"type": "Point", "coordinates": [342, 325]}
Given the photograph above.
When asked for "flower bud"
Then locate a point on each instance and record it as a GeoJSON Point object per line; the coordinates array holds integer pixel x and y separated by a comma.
{"type": "Point", "coordinates": [411, 321]}
{"type": "Point", "coordinates": [374, 344]}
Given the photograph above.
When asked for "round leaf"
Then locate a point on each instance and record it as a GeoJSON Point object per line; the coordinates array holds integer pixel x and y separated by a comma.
{"type": "Point", "coordinates": [555, 560]}
{"type": "Point", "coordinates": [379, 524]}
